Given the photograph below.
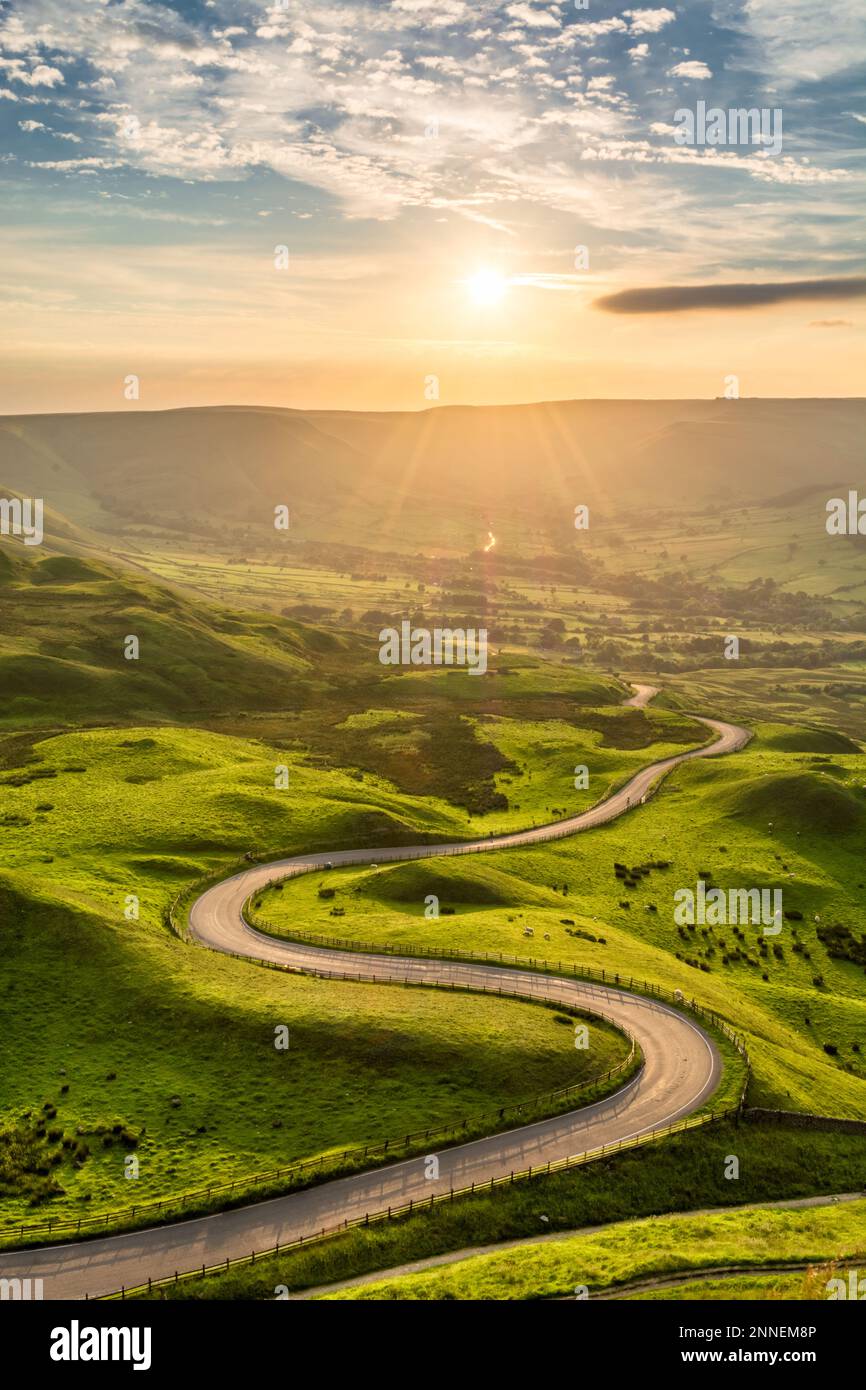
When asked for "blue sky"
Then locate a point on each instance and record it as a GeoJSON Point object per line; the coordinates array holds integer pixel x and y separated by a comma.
{"type": "Point", "coordinates": [153, 157]}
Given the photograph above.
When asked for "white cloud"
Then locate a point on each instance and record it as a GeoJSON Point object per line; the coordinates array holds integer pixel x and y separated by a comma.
{"type": "Point", "coordinates": [597, 29]}
{"type": "Point", "coordinates": [696, 71]}
{"type": "Point", "coordinates": [91, 164]}
{"type": "Point", "coordinates": [649, 21]}
{"type": "Point", "coordinates": [811, 45]}
{"type": "Point", "coordinates": [40, 76]}
{"type": "Point", "coordinates": [436, 13]}
{"type": "Point", "coordinates": [533, 18]}
{"type": "Point", "coordinates": [346, 107]}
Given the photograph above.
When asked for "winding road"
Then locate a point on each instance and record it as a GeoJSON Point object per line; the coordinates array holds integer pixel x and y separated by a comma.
{"type": "Point", "coordinates": [681, 1070]}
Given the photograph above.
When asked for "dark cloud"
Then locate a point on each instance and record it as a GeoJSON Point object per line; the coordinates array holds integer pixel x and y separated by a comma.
{"type": "Point", "coordinates": [672, 299]}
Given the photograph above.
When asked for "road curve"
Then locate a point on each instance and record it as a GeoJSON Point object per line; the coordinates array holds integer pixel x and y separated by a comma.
{"type": "Point", "coordinates": [681, 1070]}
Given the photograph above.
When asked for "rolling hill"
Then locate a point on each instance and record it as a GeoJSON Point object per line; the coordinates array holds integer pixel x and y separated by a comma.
{"type": "Point", "coordinates": [351, 476]}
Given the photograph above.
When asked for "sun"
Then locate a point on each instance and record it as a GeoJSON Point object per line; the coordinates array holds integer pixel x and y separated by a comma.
{"type": "Point", "coordinates": [487, 286]}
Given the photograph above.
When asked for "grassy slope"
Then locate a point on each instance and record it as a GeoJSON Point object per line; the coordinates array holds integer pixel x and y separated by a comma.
{"type": "Point", "coordinates": [126, 1017]}
{"type": "Point", "coordinates": [708, 816]}
{"type": "Point", "coordinates": [102, 813]}
{"type": "Point", "coordinates": [682, 1174]}
{"type": "Point", "coordinates": [808, 1285]}
{"type": "Point", "coordinates": [636, 1250]}
{"type": "Point", "coordinates": [64, 622]}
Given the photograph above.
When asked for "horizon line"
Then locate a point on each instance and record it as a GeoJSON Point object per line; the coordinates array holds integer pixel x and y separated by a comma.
{"type": "Point", "coordinates": [429, 409]}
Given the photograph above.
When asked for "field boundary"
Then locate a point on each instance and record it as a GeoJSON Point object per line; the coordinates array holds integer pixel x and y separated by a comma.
{"type": "Point", "coordinates": [555, 969]}
{"type": "Point", "coordinates": [391, 1213]}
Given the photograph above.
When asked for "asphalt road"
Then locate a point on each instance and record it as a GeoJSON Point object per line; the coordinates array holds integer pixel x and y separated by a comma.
{"type": "Point", "coordinates": [681, 1070]}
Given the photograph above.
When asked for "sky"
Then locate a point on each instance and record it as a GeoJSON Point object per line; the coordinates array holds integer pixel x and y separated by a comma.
{"type": "Point", "coordinates": [380, 206]}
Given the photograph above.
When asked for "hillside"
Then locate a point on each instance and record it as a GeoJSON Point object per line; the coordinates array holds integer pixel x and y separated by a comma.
{"type": "Point", "coordinates": [64, 622]}
{"type": "Point", "coordinates": [362, 477]}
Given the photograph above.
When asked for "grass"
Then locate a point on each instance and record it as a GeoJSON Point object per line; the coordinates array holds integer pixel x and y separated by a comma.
{"type": "Point", "coordinates": [803, 1286]}
{"type": "Point", "coordinates": [65, 622]}
{"type": "Point", "coordinates": [97, 814]}
{"type": "Point", "coordinates": [169, 1051]}
{"type": "Point", "coordinates": [681, 1174]}
{"type": "Point", "coordinates": [760, 819]}
{"type": "Point", "coordinates": [177, 781]}
{"type": "Point", "coordinates": [634, 1250]}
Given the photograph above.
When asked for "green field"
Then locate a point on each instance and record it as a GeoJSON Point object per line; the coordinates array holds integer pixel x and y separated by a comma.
{"type": "Point", "coordinates": [124, 782]}
{"type": "Point", "coordinates": [579, 1266]}
{"type": "Point", "coordinates": [176, 1062]}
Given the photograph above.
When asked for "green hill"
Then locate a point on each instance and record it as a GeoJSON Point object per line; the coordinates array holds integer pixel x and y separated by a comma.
{"type": "Point", "coordinates": [452, 881]}
{"type": "Point", "coordinates": [64, 624]}
{"type": "Point", "coordinates": [802, 801]}
{"type": "Point", "coordinates": [800, 739]}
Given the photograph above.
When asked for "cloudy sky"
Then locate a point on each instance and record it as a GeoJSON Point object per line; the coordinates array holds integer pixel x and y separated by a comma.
{"type": "Point", "coordinates": [431, 167]}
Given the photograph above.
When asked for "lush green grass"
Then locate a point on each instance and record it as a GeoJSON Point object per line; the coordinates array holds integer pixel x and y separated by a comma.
{"type": "Point", "coordinates": [681, 1174]}
{"type": "Point", "coordinates": [65, 622]}
{"type": "Point", "coordinates": [805, 1286]}
{"type": "Point", "coordinates": [123, 1025]}
{"type": "Point", "coordinates": [267, 657]}
{"type": "Point", "coordinates": [103, 813]}
{"type": "Point", "coordinates": [637, 1250]}
{"type": "Point", "coordinates": [759, 819]}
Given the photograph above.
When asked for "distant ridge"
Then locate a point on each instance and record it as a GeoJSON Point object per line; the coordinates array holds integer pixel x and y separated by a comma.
{"type": "Point", "coordinates": [224, 465]}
